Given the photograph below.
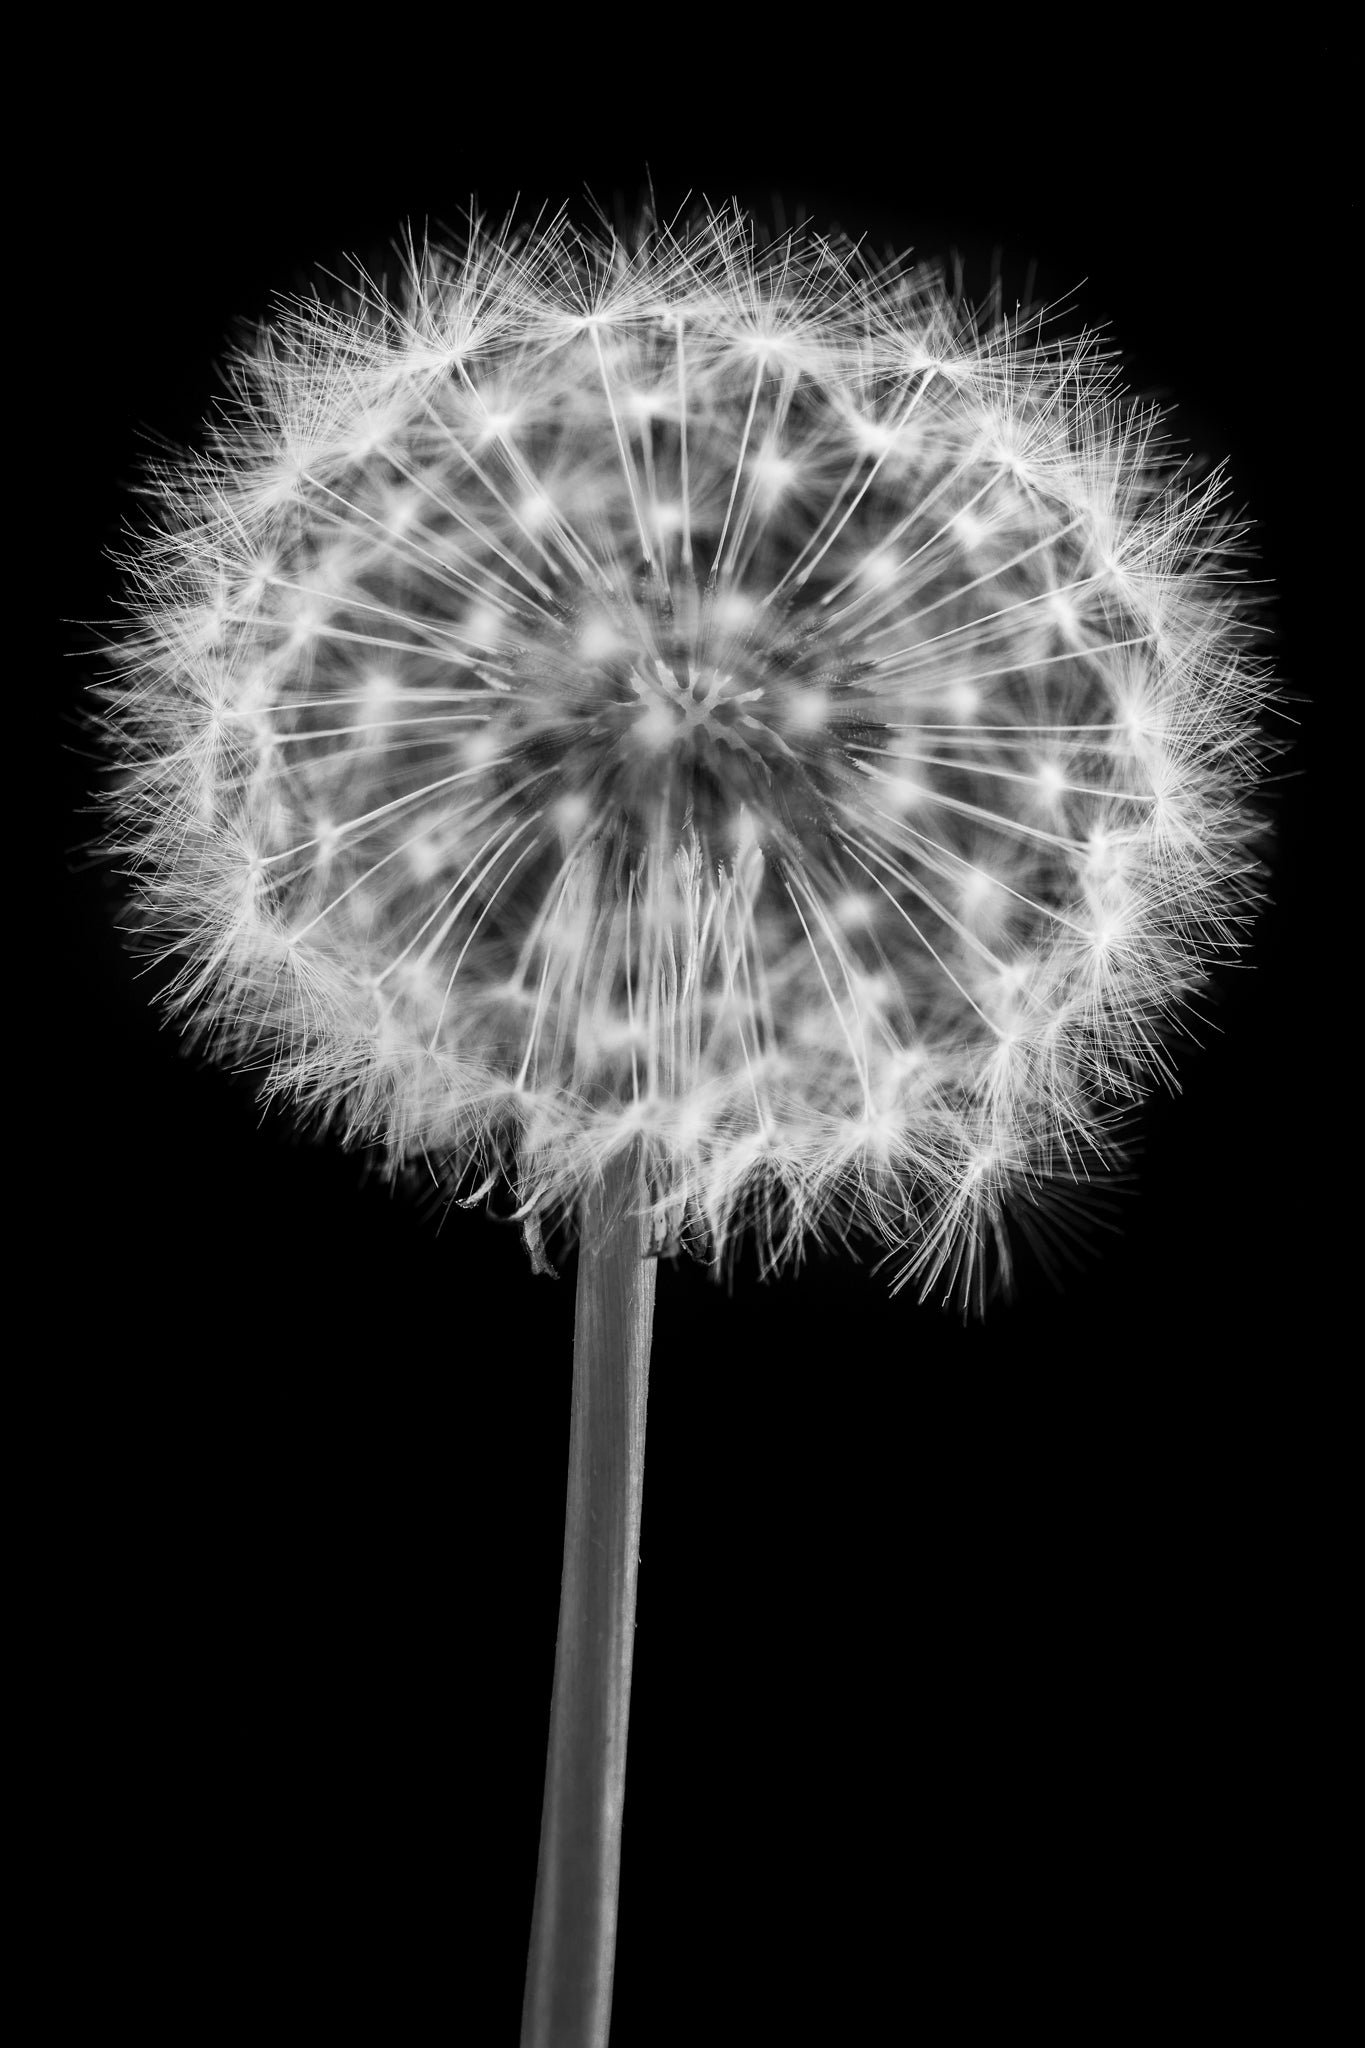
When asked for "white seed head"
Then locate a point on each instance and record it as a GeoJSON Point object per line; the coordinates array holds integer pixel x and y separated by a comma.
{"type": "Point", "coordinates": [684, 692]}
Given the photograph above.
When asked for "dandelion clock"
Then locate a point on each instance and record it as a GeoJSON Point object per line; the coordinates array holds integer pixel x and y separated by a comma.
{"type": "Point", "coordinates": [707, 741]}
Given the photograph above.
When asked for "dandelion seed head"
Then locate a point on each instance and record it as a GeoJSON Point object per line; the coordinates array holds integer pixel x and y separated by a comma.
{"type": "Point", "coordinates": [680, 690]}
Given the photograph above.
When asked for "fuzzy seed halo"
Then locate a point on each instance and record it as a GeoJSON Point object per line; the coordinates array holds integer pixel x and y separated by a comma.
{"type": "Point", "coordinates": [684, 692]}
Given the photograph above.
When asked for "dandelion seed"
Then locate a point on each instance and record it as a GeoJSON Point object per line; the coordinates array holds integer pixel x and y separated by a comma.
{"type": "Point", "coordinates": [697, 728]}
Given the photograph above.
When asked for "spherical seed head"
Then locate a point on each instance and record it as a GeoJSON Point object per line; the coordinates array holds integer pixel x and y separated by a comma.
{"type": "Point", "coordinates": [686, 693]}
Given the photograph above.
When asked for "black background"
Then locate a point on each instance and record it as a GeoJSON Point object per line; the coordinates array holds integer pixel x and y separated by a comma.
{"type": "Point", "coordinates": [974, 1663]}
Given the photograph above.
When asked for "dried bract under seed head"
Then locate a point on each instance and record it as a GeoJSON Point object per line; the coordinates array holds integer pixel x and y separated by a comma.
{"type": "Point", "coordinates": [682, 692]}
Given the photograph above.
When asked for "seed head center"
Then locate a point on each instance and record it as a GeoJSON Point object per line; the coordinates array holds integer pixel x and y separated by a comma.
{"type": "Point", "coordinates": [676, 703]}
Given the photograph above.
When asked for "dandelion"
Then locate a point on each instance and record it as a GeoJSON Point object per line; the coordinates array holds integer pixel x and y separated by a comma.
{"type": "Point", "coordinates": [713, 736]}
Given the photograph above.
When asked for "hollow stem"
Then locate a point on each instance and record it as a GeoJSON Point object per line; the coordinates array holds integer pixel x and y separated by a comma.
{"type": "Point", "coordinates": [573, 1924]}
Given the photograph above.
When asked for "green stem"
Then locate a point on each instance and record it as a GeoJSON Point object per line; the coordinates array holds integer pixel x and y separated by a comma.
{"type": "Point", "coordinates": [573, 1925]}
